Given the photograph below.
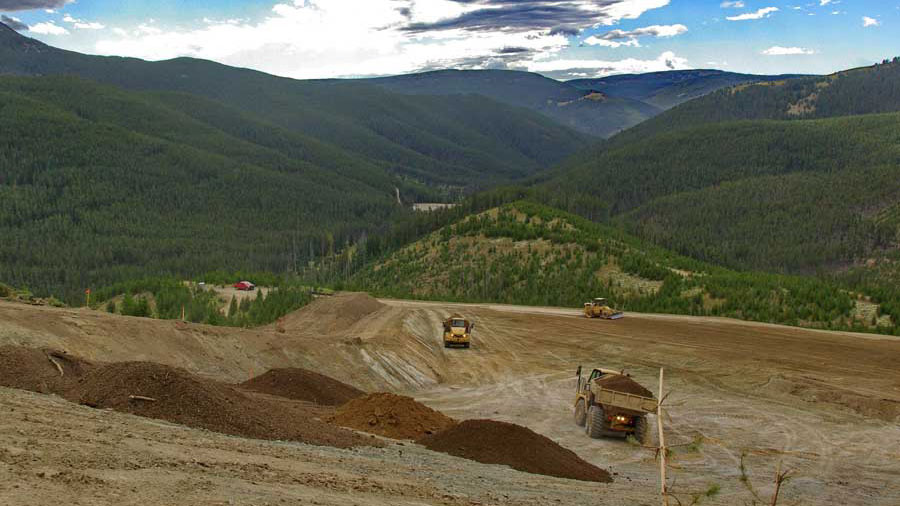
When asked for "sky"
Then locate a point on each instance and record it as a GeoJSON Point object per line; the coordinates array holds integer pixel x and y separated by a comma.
{"type": "Point", "coordinates": [563, 39]}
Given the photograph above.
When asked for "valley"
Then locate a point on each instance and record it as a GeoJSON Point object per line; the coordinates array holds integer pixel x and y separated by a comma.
{"type": "Point", "coordinates": [324, 252]}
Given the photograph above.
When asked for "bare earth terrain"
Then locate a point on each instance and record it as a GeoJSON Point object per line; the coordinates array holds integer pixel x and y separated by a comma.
{"type": "Point", "coordinates": [826, 405]}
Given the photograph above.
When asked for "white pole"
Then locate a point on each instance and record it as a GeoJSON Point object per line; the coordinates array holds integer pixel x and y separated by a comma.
{"type": "Point", "coordinates": [662, 443]}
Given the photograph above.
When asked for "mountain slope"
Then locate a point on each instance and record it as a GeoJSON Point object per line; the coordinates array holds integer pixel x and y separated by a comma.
{"type": "Point", "coordinates": [775, 195]}
{"type": "Point", "coordinates": [592, 113]}
{"type": "Point", "coordinates": [434, 140]}
{"type": "Point", "coordinates": [524, 253]}
{"type": "Point", "coordinates": [867, 90]}
{"type": "Point", "coordinates": [98, 185]}
{"type": "Point", "coordinates": [670, 88]}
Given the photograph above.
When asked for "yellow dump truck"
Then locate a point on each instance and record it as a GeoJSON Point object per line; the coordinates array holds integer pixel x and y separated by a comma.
{"type": "Point", "coordinates": [600, 308]}
{"type": "Point", "coordinates": [610, 403]}
{"type": "Point", "coordinates": [457, 331]}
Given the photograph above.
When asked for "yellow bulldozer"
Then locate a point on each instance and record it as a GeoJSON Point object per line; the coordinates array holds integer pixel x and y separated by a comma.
{"type": "Point", "coordinates": [457, 331]}
{"type": "Point", "coordinates": [600, 308]}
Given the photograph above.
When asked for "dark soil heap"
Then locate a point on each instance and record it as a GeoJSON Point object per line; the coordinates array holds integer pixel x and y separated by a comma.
{"type": "Point", "coordinates": [625, 384]}
{"type": "Point", "coordinates": [177, 396]}
{"type": "Point", "coordinates": [393, 416]}
{"type": "Point", "coordinates": [303, 385]}
{"type": "Point", "coordinates": [36, 369]}
{"type": "Point", "coordinates": [493, 442]}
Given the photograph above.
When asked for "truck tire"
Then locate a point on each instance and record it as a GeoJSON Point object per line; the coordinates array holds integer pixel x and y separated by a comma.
{"type": "Point", "coordinates": [596, 421]}
{"type": "Point", "coordinates": [642, 430]}
{"type": "Point", "coordinates": [580, 413]}
{"type": "Point", "coordinates": [465, 345]}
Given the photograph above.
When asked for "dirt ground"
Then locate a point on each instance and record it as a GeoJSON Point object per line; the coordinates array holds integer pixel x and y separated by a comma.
{"type": "Point", "coordinates": [826, 405]}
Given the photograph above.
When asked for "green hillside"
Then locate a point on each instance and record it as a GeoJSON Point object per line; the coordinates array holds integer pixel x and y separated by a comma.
{"type": "Point", "coordinates": [525, 253]}
{"type": "Point", "coordinates": [784, 196]}
{"type": "Point", "coordinates": [99, 184]}
{"type": "Point", "coordinates": [433, 140]}
{"type": "Point", "coordinates": [186, 166]}
{"type": "Point", "coordinates": [867, 90]}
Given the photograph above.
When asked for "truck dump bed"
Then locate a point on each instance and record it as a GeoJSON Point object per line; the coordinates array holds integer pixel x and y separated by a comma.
{"type": "Point", "coordinates": [623, 392]}
{"type": "Point", "coordinates": [625, 401]}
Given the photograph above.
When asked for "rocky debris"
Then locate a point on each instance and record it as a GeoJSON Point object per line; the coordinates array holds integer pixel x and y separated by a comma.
{"type": "Point", "coordinates": [393, 416]}
{"type": "Point", "coordinates": [493, 442]}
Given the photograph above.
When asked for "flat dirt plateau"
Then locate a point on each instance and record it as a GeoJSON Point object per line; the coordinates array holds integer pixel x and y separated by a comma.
{"type": "Point", "coordinates": [824, 405]}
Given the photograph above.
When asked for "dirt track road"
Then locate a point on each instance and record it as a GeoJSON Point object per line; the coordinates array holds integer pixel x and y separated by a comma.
{"type": "Point", "coordinates": [826, 405]}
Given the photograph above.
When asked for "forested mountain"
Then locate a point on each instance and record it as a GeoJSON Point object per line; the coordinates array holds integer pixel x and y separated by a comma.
{"type": "Point", "coordinates": [99, 184]}
{"type": "Point", "coordinates": [670, 88]}
{"type": "Point", "coordinates": [433, 140]}
{"type": "Point", "coordinates": [185, 166]}
{"type": "Point", "coordinates": [866, 90]}
{"type": "Point", "coordinates": [800, 175]}
{"type": "Point", "coordinates": [525, 253]}
{"type": "Point", "coordinates": [785, 196]}
{"type": "Point", "coordinates": [590, 112]}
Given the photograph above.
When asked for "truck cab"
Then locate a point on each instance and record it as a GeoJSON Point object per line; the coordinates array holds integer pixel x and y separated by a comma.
{"type": "Point", "coordinates": [457, 331]}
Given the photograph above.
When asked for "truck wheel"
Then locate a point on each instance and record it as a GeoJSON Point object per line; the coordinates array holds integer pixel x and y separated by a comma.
{"type": "Point", "coordinates": [596, 421]}
{"type": "Point", "coordinates": [641, 430]}
{"type": "Point", "coordinates": [465, 345]}
{"type": "Point", "coordinates": [580, 413]}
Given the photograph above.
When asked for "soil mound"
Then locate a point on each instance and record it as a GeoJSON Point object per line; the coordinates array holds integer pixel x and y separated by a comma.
{"type": "Point", "coordinates": [39, 370]}
{"type": "Point", "coordinates": [624, 384]}
{"type": "Point", "coordinates": [331, 314]}
{"type": "Point", "coordinates": [493, 442]}
{"type": "Point", "coordinates": [303, 385]}
{"type": "Point", "coordinates": [393, 416]}
{"type": "Point", "coordinates": [172, 394]}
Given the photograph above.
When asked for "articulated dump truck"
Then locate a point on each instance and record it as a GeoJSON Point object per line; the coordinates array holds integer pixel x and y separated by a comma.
{"type": "Point", "coordinates": [457, 331]}
{"type": "Point", "coordinates": [610, 403]}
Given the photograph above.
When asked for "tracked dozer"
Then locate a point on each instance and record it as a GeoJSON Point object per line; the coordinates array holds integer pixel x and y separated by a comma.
{"type": "Point", "coordinates": [600, 308]}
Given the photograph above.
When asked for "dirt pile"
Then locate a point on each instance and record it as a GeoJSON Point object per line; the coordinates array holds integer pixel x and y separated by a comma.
{"type": "Point", "coordinates": [40, 370]}
{"type": "Point", "coordinates": [393, 416]}
{"type": "Point", "coordinates": [167, 393]}
{"type": "Point", "coordinates": [331, 314]}
{"type": "Point", "coordinates": [493, 442]}
{"type": "Point", "coordinates": [303, 385]}
{"type": "Point", "coordinates": [624, 384]}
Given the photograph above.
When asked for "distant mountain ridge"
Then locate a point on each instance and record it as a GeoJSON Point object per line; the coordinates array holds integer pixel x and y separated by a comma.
{"type": "Point", "coordinates": [592, 113]}
{"type": "Point", "coordinates": [406, 135]}
{"type": "Point", "coordinates": [670, 88]}
{"type": "Point", "coordinates": [600, 107]}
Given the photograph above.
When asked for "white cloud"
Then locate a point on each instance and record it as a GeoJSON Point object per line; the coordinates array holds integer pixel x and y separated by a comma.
{"type": "Point", "coordinates": [823, 3]}
{"type": "Point", "coordinates": [732, 5]}
{"type": "Point", "coordinates": [83, 25]}
{"type": "Point", "coordinates": [867, 22]}
{"type": "Point", "coordinates": [618, 38]}
{"type": "Point", "coordinates": [48, 28]}
{"type": "Point", "coordinates": [784, 51]}
{"type": "Point", "coordinates": [599, 68]}
{"type": "Point", "coordinates": [759, 14]}
{"type": "Point", "coordinates": [336, 38]}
